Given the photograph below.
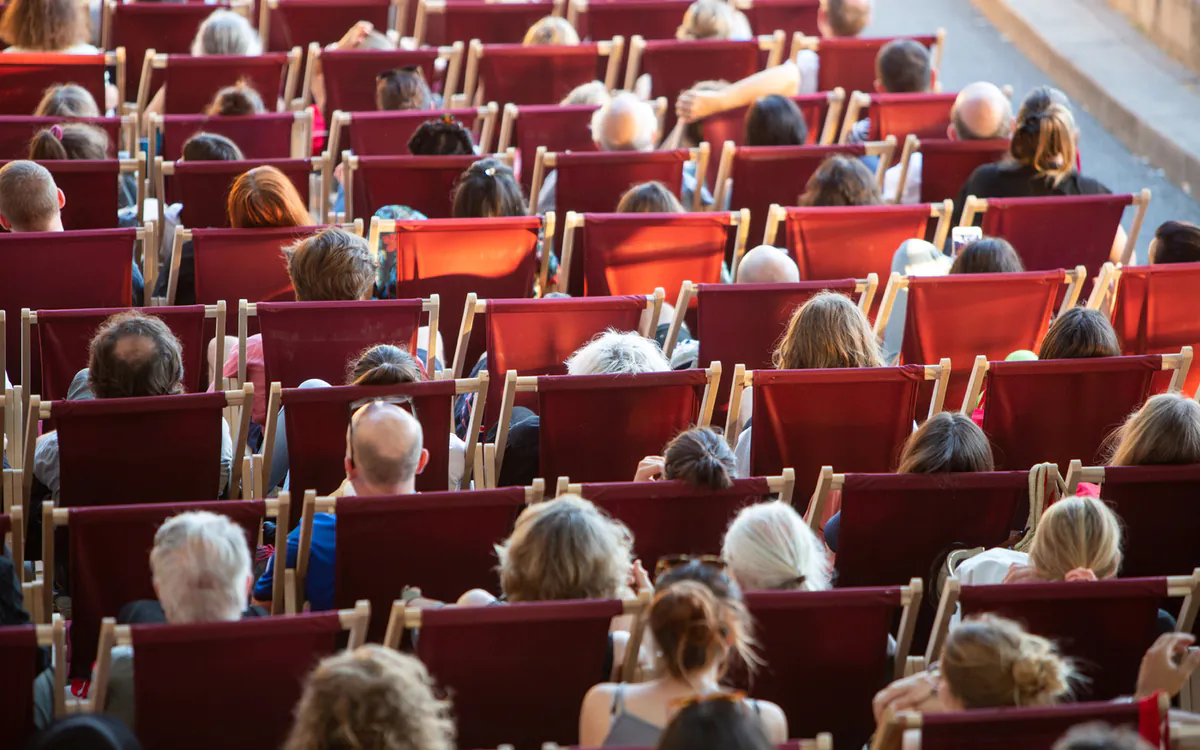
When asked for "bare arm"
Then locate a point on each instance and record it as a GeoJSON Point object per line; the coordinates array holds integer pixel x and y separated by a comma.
{"type": "Point", "coordinates": [782, 79]}
{"type": "Point", "coordinates": [595, 715]}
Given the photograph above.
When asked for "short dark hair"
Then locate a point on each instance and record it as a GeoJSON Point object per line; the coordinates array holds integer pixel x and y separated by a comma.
{"type": "Point", "coordinates": [402, 89]}
{"type": "Point", "coordinates": [847, 18]}
{"type": "Point", "coordinates": [488, 189]}
{"type": "Point", "coordinates": [651, 197]}
{"type": "Point", "coordinates": [841, 181]}
{"type": "Point", "coordinates": [775, 120]}
{"type": "Point", "coordinates": [442, 137]}
{"type": "Point", "coordinates": [28, 195]}
{"type": "Point", "coordinates": [701, 457]}
{"type": "Point", "coordinates": [1080, 333]}
{"type": "Point", "coordinates": [158, 372]}
{"type": "Point", "coordinates": [384, 364]}
{"type": "Point", "coordinates": [210, 147]}
{"type": "Point", "coordinates": [904, 67]}
{"type": "Point", "coordinates": [715, 723]}
{"type": "Point", "coordinates": [1177, 242]}
{"type": "Point", "coordinates": [331, 265]}
{"type": "Point", "coordinates": [988, 255]}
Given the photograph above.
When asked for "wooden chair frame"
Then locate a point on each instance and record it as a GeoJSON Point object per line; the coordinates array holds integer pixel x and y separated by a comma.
{"type": "Point", "coordinates": [156, 61]}
{"type": "Point", "coordinates": [1074, 280]}
{"type": "Point", "coordinates": [399, 8]}
{"type": "Point", "coordinates": [865, 288]}
{"type": "Point", "coordinates": [350, 160]}
{"type": "Point", "coordinates": [54, 636]}
{"type": "Point", "coordinates": [783, 485]}
{"type": "Point", "coordinates": [773, 44]}
{"type": "Point", "coordinates": [548, 160]}
{"type": "Point", "coordinates": [1104, 291]}
{"type": "Point", "coordinates": [16, 545]}
{"type": "Point", "coordinates": [613, 49]}
{"type": "Point", "coordinates": [940, 211]}
{"type": "Point", "coordinates": [512, 113]}
{"type": "Point", "coordinates": [802, 42]}
{"type": "Point", "coordinates": [452, 54]}
{"type": "Point", "coordinates": [427, 7]}
{"type": "Point", "coordinates": [475, 306]}
{"type": "Point", "coordinates": [302, 133]}
{"type": "Point", "coordinates": [860, 101]}
{"type": "Point", "coordinates": [241, 7]}
{"type": "Point", "coordinates": [1141, 201]}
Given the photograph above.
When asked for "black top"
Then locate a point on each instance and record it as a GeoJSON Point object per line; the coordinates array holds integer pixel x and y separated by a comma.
{"type": "Point", "coordinates": [1006, 179]}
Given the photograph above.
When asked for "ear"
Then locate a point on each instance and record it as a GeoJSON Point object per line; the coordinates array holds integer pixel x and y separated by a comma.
{"type": "Point", "coordinates": [4, 223]}
{"type": "Point", "coordinates": [879, 87]}
{"type": "Point", "coordinates": [951, 133]}
{"type": "Point", "coordinates": [62, 200]}
{"type": "Point", "coordinates": [421, 464]}
{"type": "Point", "coordinates": [351, 473]}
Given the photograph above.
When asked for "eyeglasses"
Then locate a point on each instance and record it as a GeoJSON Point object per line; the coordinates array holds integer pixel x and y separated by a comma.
{"type": "Point", "coordinates": [363, 405]}
{"type": "Point", "coordinates": [668, 562]}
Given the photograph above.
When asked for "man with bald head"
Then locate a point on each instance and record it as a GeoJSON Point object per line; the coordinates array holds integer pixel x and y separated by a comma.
{"type": "Point", "coordinates": [384, 455]}
{"type": "Point", "coordinates": [767, 265]}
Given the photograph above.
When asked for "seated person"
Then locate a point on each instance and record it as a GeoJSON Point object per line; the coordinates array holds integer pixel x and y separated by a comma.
{"type": "Point", "coordinates": [551, 30]}
{"type": "Point", "coordinates": [239, 100]}
{"type": "Point", "coordinates": [903, 66]}
{"type": "Point", "coordinates": [651, 197]}
{"type": "Point", "coordinates": [67, 100]}
{"type": "Point", "coordinates": [699, 456]}
{"type": "Point", "coordinates": [1175, 242]}
{"type": "Point", "coordinates": [769, 547]}
{"type": "Point", "coordinates": [76, 140]}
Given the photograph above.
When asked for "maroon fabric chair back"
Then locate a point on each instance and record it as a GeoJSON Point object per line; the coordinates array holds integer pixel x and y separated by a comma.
{"type": "Point", "coordinates": [535, 337]}
{"type": "Point", "coordinates": [265, 136]}
{"type": "Point", "coordinates": [1152, 313]}
{"type": "Point", "coordinates": [203, 186]}
{"type": "Point", "coordinates": [317, 419]}
{"type": "Point", "coordinates": [731, 126]}
{"type": "Point", "coordinates": [298, 23]}
{"type": "Point", "coordinates": [652, 511]}
{"type": "Point", "coordinates": [65, 335]}
{"type": "Point", "coordinates": [481, 654]}
{"type": "Point", "coordinates": [635, 253]}
{"type": "Point", "coordinates": [350, 75]}
{"type": "Point", "coordinates": [763, 175]}
{"type": "Point", "coordinates": [838, 641]}
{"type": "Point", "coordinates": [90, 187]}
{"type": "Point", "coordinates": [250, 673]}
{"type": "Point", "coordinates": [790, 16]}
{"type": "Point", "coordinates": [17, 130]}
{"type": "Point", "coordinates": [494, 258]}
{"type": "Point", "coordinates": [303, 340]}
{"type": "Point", "coordinates": [1067, 613]}
{"type": "Point", "coordinates": [557, 128]}
{"type": "Point", "coordinates": [649, 19]}
{"type": "Point", "coordinates": [850, 62]}
{"type": "Point", "coordinates": [1058, 232]}
{"type": "Point", "coordinates": [854, 419]}
{"type": "Point", "coordinates": [947, 164]}
{"type": "Point", "coordinates": [110, 561]}
{"type": "Point", "coordinates": [742, 323]}
{"type": "Point", "coordinates": [834, 243]}
{"type": "Point", "coordinates": [902, 115]}
{"type": "Point", "coordinates": [166, 28]}
{"type": "Point", "coordinates": [388, 133]}
{"type": "Point", "coordinates": [1157, 506]}
{"type": "Point", "coordinates": [675, 66]}
{"type": "Point", "coordinates": [236, 264]}
{"type": "Point", "coordinates": [490, 23]}
{"type": "Point", "coordinates": [424, 183]}
{"type": "Point", "coordinates": [198, 79]}
{"type": "Point", "coordinates": [1019, 728]}
{"type": "Point", "coordinates": [25, 76]}
{"type": "Point", "coordinates": [448, 547]}
{"type": "Point", "coordinates": [102, 265]}
{"type": "Point", "coordinates": [21, 655]}
{"type": "Point", "coordinates": [596, 428]}
{"type": "Point", "coordinates": [1022, 416]}
{"type": "Point", "coordinates": [540, 74]}
{"type": "Point", "coordinates": [954, 317]}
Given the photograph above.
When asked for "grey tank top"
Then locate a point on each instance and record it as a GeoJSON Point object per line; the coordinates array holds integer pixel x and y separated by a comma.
{"type": "Point", "coordinates": [628, 730]}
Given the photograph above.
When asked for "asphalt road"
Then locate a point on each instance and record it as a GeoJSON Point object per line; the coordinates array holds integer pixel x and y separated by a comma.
{"type": "Point", "coordinates": [975, 51]}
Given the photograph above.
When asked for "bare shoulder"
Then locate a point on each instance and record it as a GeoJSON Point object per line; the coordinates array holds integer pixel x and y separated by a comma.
{"type": "Point", "coordinates": [774, 721]}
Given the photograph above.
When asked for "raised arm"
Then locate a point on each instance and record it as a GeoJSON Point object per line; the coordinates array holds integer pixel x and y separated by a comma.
{"type": "Point", "coordinates": [782, 79]}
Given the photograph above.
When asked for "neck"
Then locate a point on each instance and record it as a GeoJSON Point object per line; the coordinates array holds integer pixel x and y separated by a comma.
{"type": "Point", "coordinates": [363, 487]}
{"type": "Point", "coordinates": [51, 225]}
{"type": "Point", "coordinates": [702, 681]}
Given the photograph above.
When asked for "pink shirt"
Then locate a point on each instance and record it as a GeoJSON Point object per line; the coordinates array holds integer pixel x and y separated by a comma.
{"type": "Point", "coordinates": [256, 373]}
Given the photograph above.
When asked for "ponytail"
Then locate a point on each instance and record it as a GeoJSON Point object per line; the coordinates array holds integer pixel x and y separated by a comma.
{"type": "Point", "coordinates": [69, 141]}
{"type": "Point", "coordinates": [700, 457]}
{"type": "Point", "coordinates": [1045, 135]}
{"type": "Point", "coordinates": [46, 145]}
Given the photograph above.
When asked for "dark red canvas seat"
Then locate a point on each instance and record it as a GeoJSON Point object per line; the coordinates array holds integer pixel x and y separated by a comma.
{"type": "Point", "coordinates": [237, 264]}
{"type": "Point", "coordinates": [17, 130]}
{"type": "Point", "coordinates": [947, 164]}
{"type": "Point", "coordinates": [424, 183]}
{"type": "Point", "coordinates": [902, 115]}
{"type": "Point", "coordinates": [25, 76]}
{"type": "Point", "coordinates": [192, 82]}
{"type": "Point", "coordinates": [166, 28]}
{"type": "Point", "coordinates": [1153, 311]}
{"type": "Point", "coordinates": [350, 75]}
{"type": "Point", "coordinates": [539, 74]}
{"type": "Point", "coordinates": [730, 125]}
{"type": "Point", "coordinates": [675, 66]}
{"type": "Point", "coordinates": [444, 23]}
{"type": "Point", "coordinates": [650, 19]}
{"type": "Point", "coordinates": [298, 23]}
{"type": "Point", "coordinates": [21, 653]}
{"type": "Point", "coordinates": [264, 136]}
{"type": "Point", "coordinates": [91, 190]}
{"type": "Point", "coordinates": [1018, 728]}
{"type": "Point", "coordinates": [203, 186]}
{"type": "Point", "coordinates": [388, 133]}
{"type": "Point", "coordinates": [789, 16]}
{"type": "Point", "coordinates": [849, 62]}
{"type": "Point", "coordinates": [550, 125]}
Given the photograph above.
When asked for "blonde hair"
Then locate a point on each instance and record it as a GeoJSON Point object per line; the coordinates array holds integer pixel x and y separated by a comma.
{"type": "Point", "coordinates": [551, 30]}
{"type": "Point", "coordinates": [769, 547]}
{"type": "Point", "coordinates": [713, 19]}
{"type": "Point", "coordinates": [694, 628]}
{"type": "Point", "coordinates": [1165, 431]}
{"type": "Point", "coordinates": [372, 697]}
{"type": "Point", "coordinates": [225, 32]}
{"type": "Point", "coordinates": [565, 548]}
{"type": "Point", "coordinates": [991, 662]}
{"type": "Point", "coordinates": [1076, 533]}
{"type": "Point", "coordinates": [827, 331]}
{"type": "Point", "coordinates": [592, 92]}
{"type": "Point", "coordinates": [1045, 135]}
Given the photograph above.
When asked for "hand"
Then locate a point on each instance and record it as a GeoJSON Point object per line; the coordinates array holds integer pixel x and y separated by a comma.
{"type": "Point", "coordinates": [355, 36]}
{"type": "Point", "coordinates": [339, 172]}
{"type": "Point", "coordinates": [641, 579]}
{"type": "Point", "coordinates": [918, 692]}
{"type": "Point", "coordinates": [696, 105]}
{"type": "Point", "coordinates": [1167, 665]}
{"type": "Point", "coordinates": [1020, 574]}
{"type": "Point", "coordinates": [650, 469]}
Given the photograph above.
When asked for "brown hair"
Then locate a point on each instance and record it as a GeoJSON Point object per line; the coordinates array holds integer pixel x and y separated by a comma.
{"type": "Point", "coordinates": [488, 188]}
{"type": "Point", "coordinates": [210, 147]}
{"type": "Point", "coordinates": [1165, 431]}
{"type": "Point", "coordinates": [712, 19]}
{"type": "Point", "coordinates": [67, 100]}
{"type": "Point", "coordinates": [265, 197]}
{"type": "Point", "coordinates": [827, 331]}
{"type": "Point", "coordinates": [1176, 242]}
{"type": "Point", "coordinates": [775, 120]}
{"type": "Point", "coordinates": [28, 195]}
{"type": "Point", "coordinates": [991, 662]}
{"type": "Point", "coordinates": [565, 548]}
{"type": "Point", "coordinates": [651, 197]}
{"type": "Point", "coordinates": [903, 67]}
{"type": "Point", "coordinates": [402, 89]}
{"type": "Point", "coordinates": [701, 457]}
{"type": "Point", "coordinates": [384, 364]}
{"type": "Point", "coordinates": [157, 371]}
{"type": "Point", "coordinates": [44, 25]}
{"type": "Point", "coordinates": [694, 628]}
{"type": "Point", "coordinates": [444, 136]}
{"type": "Point", "coordinates": [988, 255]}
{"type": "Point", "coordinates": [236, 100]}
{"type": "Point", "coordinates": [1080, 333]}
{"type": "Point", "coordinates": [71, 140]}
{"type": "Point", "coordinates": [847, 18]}
{"type": "Point", "coordinates": [948, 442]}
{"type": "Point", "coordinates": [371, 697]}
{"type": "Point", "coordinates": [1045, 135]}
{"type": "Point", "coordinates": [1074, 533]}
{"type": "Point", "coordinates": [551, 30]}
{"type": "Point", "coordinates": [331, 265]}
{"type": "Point", "coordinates": [841, 181]}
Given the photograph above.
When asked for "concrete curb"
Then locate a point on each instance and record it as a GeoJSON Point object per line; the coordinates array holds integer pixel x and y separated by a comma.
{"type": "Point", "coordinates": [1139, 135]}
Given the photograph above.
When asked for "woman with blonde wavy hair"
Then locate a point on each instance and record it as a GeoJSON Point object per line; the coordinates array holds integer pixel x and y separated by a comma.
{"type": "Point", "coordinates": [1164, 432]}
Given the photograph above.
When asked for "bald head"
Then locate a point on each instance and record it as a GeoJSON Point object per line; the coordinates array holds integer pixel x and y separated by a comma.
{"type": "Point", "coordinates": [767, 265]}
{"type": "Point", "coordinates": [626, 123]}
{"type": "Point", "coordinates": [385, 451]}
{"type": "Point", "coordinates": [844, 17]}
{"type": "Point", "coordinates": [980, 112]}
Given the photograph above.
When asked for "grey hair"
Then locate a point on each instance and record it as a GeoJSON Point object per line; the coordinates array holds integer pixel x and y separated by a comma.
{"type": "Point", "coordinates": [769, 547]}
{"type": "Point", "coordinates": [225, 32]}
{"type": "Point", "coordinates": [200, 564]}
{"type": "Point", "coordinates": [617, 353]}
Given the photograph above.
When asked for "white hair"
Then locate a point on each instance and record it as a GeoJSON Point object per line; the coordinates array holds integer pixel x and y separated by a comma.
{"type": "Point", "coordinates": [200, 564]}
{"type": "Point", "coordinates": [769, 547]}
{"type": "Point", "coordinates": [225, 32]}
{"type": "Point", "coordinates": [625, 123]}
{"type": "Point", "coordinates": [617, 353]}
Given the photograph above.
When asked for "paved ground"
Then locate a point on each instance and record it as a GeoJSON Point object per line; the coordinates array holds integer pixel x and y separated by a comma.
{"type": "Point", "coordinates": [976, 51]}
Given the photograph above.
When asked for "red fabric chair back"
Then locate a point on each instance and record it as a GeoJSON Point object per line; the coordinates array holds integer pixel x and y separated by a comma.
{"type": "Point", "coordinates": [763, 175]}
{"type": "Point", "coordinates": [298, 23]}
{"type": "Point", "coordinates": [1019, 728]}
{"type": "Point", "coordinates": [790, 16]}
{"type": "Point", "coordinates": [652, 511]}
{"type": "Point", "coordinates": [596, 428]}
{"type": "Point", "coordinates": [317, 419]}
{"type": "Point", "coordinates": [901, 115]}
{"type": "Point", "coordinates": [303, 340]}
{"type": "Point", "coordinates": [850, 62]}
{"type": "Point", "coordinates": [90, 187]}
{"type": "Point", "coordinates": [1058, 232]}
{"type": "Point", "coordinates": [1157, 506]}
{"type": "Point", "coordinates": [675, 66]}
{"type": "Point", "coordinates": [540, 74]}
{"type": "Point", "coordinates": [110, 553]}
{"type": "Point", "coordinates": [535, 337]}
{"type": "Point", "coordinates": [424, 183]}
{"type": "Point", "coordinates": [731, 126]}
{"type": "Point", "coordinates": [65, 336]}
{"type": "Point", "coordinates": [490, 23]}
{"type": "Point", "coordinates": [250, 673]}
{"type": "Point", "coordinates": [742, 323]}
{"type": "Point", "coordinates": [448, 548]}
{"type": "Point", "coordinates": [350, 75]}
{"type": "Point", "coordinates": [17, 130]}
{"type": "Point", "coordinates": [649, 19]}
{"type": "Point", "coordinates": [21, 655]}
{"type": "Point", "coordinates": [838, 641]}
{"type": "Point", "coordinates": [947, 164]}
{"type": "Point", "coordinates": [482, 654]}
{"type": "Point", "coordinates": [265, 136]}
{"type": "Point", "coordinates": [198, 79]}
{"type": "Point", "coordinates": [834, 243]}
{"type": "Point", "coordinates": [855, 419]}
{"type": "Point", "coordinates": [635, 253]}
{"type": "Point", "coordinates": [954, 317]}
{"type": "Point", "coordinates": [1152, 312]}
{"type": "Point", "coordinates": [1022, 416]}
{"type": "Point", "coordinates": [25, 76]}
{"type": "Point", "coordinates": [1067, 613]}
{"type": "Point", "coordinates": [166, 28]}
{"type": "Point", "coordinates": [557, 128]}
{"type": "Point", "coordinates": [388, 133]}
{"type": "Point", "coordinates": [102, 265]}
{"type": "Point", "coordinates": [203, 186]}
{"type": "Point", "coordinates": [236, 264]}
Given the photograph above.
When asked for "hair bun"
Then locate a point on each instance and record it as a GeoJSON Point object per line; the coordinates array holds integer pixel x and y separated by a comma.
{"type": "Point", "coordinates": [1039, 674]}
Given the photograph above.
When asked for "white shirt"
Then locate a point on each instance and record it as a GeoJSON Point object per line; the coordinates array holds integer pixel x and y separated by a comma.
{"type": "Point", "coordinates": [810, 68]}
{"type": "Point", "coordinates": [986, 569]}
{"type": "Point", "coordinates": [75, 49]}
{"type": "Point", "coordinates": [912, 185]}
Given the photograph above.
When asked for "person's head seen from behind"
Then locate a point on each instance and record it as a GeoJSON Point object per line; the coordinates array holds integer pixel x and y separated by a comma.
{"type": "Point", "coordinates": [29, 199]}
